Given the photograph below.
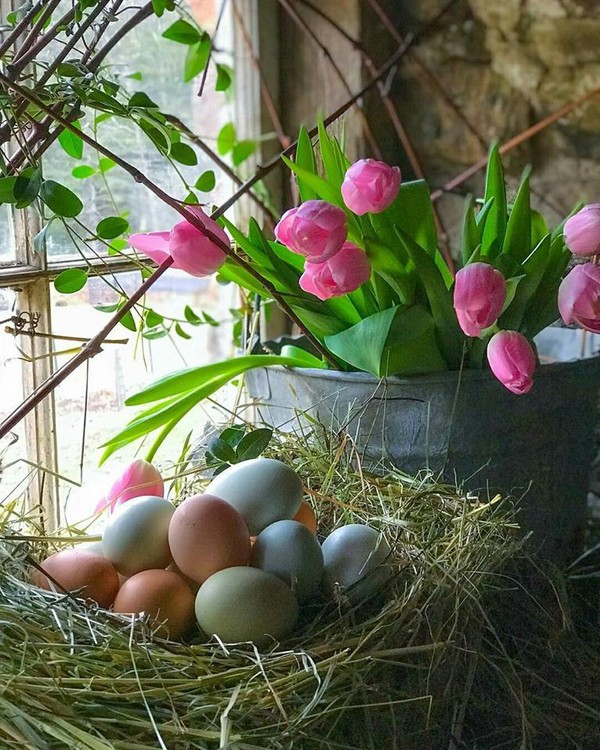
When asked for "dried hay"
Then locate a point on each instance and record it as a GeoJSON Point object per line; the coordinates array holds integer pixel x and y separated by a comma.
{"type": "Point", "coordinates": [431, 662]}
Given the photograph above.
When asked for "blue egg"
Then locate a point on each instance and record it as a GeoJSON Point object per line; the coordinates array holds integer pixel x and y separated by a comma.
{"type": "Point", "coordinates": [289, 550]}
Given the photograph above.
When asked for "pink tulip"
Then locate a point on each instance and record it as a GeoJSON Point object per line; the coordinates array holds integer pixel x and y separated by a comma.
{"type": "Point", "coordinates": [479, 294]}
{"type": "Point", "coordinates": [579, 297]}
{"type": "Point", "coordinates": [283, 227]}
{"type": "Point", "coordinates": [582, 231]}
{"type": "Point", "coordinates": [192, 251]}
{"type": "Point", "coordinates": [316, 229]}
{"type": "Point", "coordinates": [370, 186]}
{"type": "Point", "coordinates": [137, 479]}
{"type": "Point", "coordinates": [512, 360]}
{"type": "Point", "coordinates": [342, 273]}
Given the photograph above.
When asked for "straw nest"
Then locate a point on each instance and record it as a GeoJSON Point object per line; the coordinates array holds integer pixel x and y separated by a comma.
{"type": "Point", "coordinates": [430, 662]}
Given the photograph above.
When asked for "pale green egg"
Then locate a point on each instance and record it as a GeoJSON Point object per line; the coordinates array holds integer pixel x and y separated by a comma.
{"type": "Point", "coordinates": [246, 604]}
{"type": "Point", "coordinates": [356, 559]}
{"type": "Point", "coordinates": [136, 536]}
{"type": "Point", "coordinates": [262, 490]}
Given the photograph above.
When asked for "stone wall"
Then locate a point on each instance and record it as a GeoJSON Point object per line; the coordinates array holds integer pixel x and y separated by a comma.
{"type": "Point", "coordinates": [489, 71]}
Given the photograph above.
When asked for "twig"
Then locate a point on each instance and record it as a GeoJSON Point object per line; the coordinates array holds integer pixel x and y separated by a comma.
{"type": "Point", "coordinates": [301, 23]}
{"type": "Point", "coordinates": [95, 343]}
{"type": "Point", "coordinates": [525, 135]}
{"type": "Point", "coordinates": [401, 132]}
{"type": "Point", "coordinates": [14, 332]}
{"type": "Point", "coordinates": [197, 141]}
{"type": "Point", "coordinates": [283, 139]}
{"type": "Point", "coordinates": [14, 35]}
{"type": "Point", "coordinates": [37, 27]}
{"type": "Point", "coordinates": [94, 62]}
{"type": "Point", "coordinates": [383, 71]}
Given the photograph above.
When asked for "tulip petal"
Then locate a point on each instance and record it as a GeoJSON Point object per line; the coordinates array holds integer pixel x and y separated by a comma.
{"type": "Point", "coordinates": [153, 244]}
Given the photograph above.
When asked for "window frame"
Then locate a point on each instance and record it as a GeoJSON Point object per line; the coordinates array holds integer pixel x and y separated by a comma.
{"type": "Point", "coordinates": [30, 276]}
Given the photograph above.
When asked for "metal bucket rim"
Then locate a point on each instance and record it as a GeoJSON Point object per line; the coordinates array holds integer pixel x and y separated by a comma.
{"type": "Point", "coordinates": [587, 366]}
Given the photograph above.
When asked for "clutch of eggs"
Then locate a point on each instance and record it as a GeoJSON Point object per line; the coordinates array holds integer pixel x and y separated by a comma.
{"type": "Point", "coordinates": [238, 560]}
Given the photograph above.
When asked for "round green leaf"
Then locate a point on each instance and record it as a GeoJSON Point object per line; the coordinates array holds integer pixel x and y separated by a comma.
{"type": "Point", "coordinates": [70, 281]}
{"type": "Point", "coordinates": [184, 154]}
{"type": "Point", "coordinates": [206, 182]}
{"type": "Point", "coordinates": [83, 171]}
{"type": "Point", "coordinates": [111, 227]}
{"type": "Point", "coordinates": [60, 199]}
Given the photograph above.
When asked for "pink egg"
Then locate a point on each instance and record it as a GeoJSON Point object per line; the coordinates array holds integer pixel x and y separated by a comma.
{"type": "Point", "coordinates": [207, 534]}
{"type": "Point", "coordinates": [80, 572]}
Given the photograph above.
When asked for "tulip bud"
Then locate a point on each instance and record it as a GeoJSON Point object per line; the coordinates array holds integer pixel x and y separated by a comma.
{"type": "Point", "coordinates": [282, 228]}
{"type": "Point", "coordinates": [579, 297]}
{"type": "Point", "coordinates": [192, 251]}
{"type": "Point", "coordinates": [137, 479]}
{"type": "Point", "coordinates": [342, 273]}
{"type": "Point", "coordinates": [479, 294]}
{"type": "Point", "coordinates": [582, 231]}
{"type": "Point", "coordinates": [512, 360]}
{"type": "Point", "coordinates": [370, 186]}
{"type": "Point", "coordinates": [317, 230]}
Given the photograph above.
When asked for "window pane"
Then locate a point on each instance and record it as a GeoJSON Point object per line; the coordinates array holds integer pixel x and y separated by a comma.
{"type": "Point", "coordinates": [13, 479]}
{"type": "Point", "coordinates": [7, 237]}
{"type": "Point", "coordinates": [111, 191]}
{"type": "Point", "coordinates": [124, 368]}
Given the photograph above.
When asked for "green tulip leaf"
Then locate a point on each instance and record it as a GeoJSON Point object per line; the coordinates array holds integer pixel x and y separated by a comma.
{"type": "Point", "coordinates": [412, 213]}
{"type": "Point", "coordinates": [305, 159]}
{"type": "Point", "coordinates": [495, 224]}
{"type": "Point", "coordinates": [396, 341]}
{"type": "Point", "coordinates": [517, 241]}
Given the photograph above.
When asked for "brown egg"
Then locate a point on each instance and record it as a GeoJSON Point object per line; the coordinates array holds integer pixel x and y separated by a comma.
{"type": "Point", "coordinates": [164, 596]}
{"type": "Point", "coordinates": [207, 534]}
{"type": "Point", "coordinates": [81, 572]}
{"type": "Point", "coordinates": [306, 515]}
{"type": "Point", "coordinates": [192, 584]}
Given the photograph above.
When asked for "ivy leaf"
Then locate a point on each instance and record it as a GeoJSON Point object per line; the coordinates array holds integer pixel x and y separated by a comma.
{"type": "Point", "coordinates": [158, 6]}
{"type": "Point", "coordinates": [191, 316]}
{"type": "Point", "coordinates": [221, 450]}
{"type": "Point", "coordinates": [106, 164]}
{"type": "Point", "coordinates": [241, 151]}
{"type": "Point", "coordinates": [117, 246]}
{"type": "Point", "coordinates": [226, 138]}
{"type": "Point", "coordinates": [224, 77]}
{"type": "Point", "coordinates": [70, 281]}
{"type": "Point", "coordinates": [183, 32]}
{"type": "Point", "coordinates": [27, 186]}
{"type": "Point", "coordinates": [71, 143]}
{"type": "Point", "coordinates": [191, 199]}
{"type": "Point", "coordinates": [180, 332]}
{"type": "Point", "coordinates": [206, 182]}
{"type": "Point", "coordinates": [60, 199]}
{"type": "Point", "coordinates": [7, 187]}
{"type": "Point", "coordinates": [83, 171]}
{"type": "Point", "coordinates": [153, 319]}
{"type": "Point", "coordinates": [184, 154]}
{"type": "Point", "coordinates": [253, 444]}
{"type": "Point", "coordinates": [111, 227]}
{"type": "Point", "coordinates": [197, 58]}
{"type": "Point", "coordinates": [128, 322]}
{"type": "Point", "coordinates": [142, 100]}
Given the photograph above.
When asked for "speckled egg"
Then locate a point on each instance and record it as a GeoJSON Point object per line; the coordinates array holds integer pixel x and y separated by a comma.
{"type": "Point", "coordinates": [262, 490]}
{"type": "Point", "coordinates": [136, 536]}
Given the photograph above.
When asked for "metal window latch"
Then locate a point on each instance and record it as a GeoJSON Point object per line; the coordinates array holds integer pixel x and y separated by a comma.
{"type": "Point", "coordinates": [24, 322]}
